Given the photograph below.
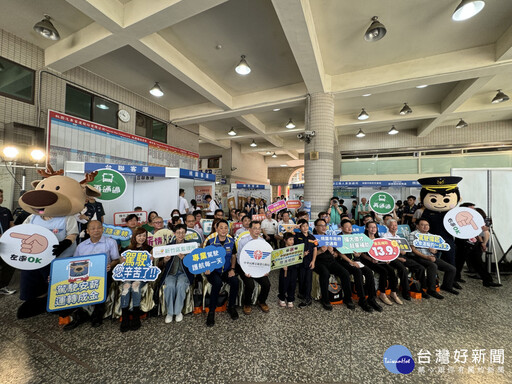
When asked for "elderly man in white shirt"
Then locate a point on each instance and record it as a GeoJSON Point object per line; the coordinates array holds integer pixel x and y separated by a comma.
{"type": "Point", "coordinates": [269, 229]}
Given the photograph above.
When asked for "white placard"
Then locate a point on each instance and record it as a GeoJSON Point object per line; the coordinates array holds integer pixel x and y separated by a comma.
{"type": "Point", "coordinates": [174, 249]}
{"type": "Point", "coordinates": [463, 222]}
{"type": "Point", "coordinates": [256, 257]}
{"type": "Point", "coordinates": [28, 246]}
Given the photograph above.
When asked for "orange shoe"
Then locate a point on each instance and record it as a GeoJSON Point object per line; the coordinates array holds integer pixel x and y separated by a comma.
{"type": "Point", "coordinates": [247, 309]}
{"type": "Point", "coordinates": [264, 307]}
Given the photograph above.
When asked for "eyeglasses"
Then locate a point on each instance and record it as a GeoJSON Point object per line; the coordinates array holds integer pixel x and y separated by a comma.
{"type": "Point", "coordinates": [158, 222]}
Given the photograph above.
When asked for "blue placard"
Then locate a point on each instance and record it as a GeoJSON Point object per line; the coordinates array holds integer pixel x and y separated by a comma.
{"type": "Point", "coordinates": [137, 267]}
{"type": "Point", "coordinates": [332, 241]}
{"type": "Point", "coordinates": [250, 186]}
{"type": "Point", "coordinates": [117, 233]}
{"type": "Point", "coordinates": [403, 231]}
{"type": "Point", "coordinates": [205, 259]}
{"type": "Point", "coordinates": [77, 281]}
{"type": "Point", "coordinates": [430, 241]}
{"type": "Point", "coordinates": [127, 169]}
{"type": "Point", "coordinates": [196, 175]}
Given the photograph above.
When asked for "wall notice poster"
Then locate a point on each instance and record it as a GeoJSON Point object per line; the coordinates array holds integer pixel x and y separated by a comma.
{"type": "Point", "coordinates": [77, 281]}
{"type": "Point", "coordinates": [201, 192]}
{"type": "Point", "coordinates": [74, 139]}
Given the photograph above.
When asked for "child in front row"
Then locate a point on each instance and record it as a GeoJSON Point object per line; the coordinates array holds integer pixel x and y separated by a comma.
{"type": "Point", "coordinates": [288, 277]}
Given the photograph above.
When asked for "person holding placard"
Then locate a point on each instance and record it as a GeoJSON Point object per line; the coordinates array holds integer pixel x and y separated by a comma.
{"type": "Point", "coordinates": [351, 262]}
{"type": "Point", "coordinates": [404, 264]}
{"type": "Point", "coordinates": [96, 243]}
{"type": "Point", "coordinates": [326, 265]}
{"type": "Point", "coordinates": [264, 281]}
{"type": "Point", "coordinates": [287, 277]}
{"type": "Point", "coordinates": [308, 262]}
{"type": "Point", "coordinates": [226, 274]}
{"type": "Point", "coordinates": [177, 278]}
{"type": "Point", "coordinates": [190, 222]}
{"type": "Point", "coordinates": [131, 289]}
{"type": "Point", "coordinates": [387, 277]}
{"type": "Point", "coordinates": [429, 258]}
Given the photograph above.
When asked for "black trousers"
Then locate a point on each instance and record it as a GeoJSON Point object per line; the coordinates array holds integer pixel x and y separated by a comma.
{"type": "Point", "coordinates": [305, 279]}
{"type": "Point", "coordinates": [6, 272]}
{"type": "Point", "coordinates": [387, 277]}
{"type": "Point", "coordinates": [403, 269]}
{"type": "Point", "coordinates": [288, 283]}
{"type": "Point", "coordinates": [330, 267]}
{"type": "Point", "coordinates": [263, 281]}
{"type": "Point", "coordinates": [432, 268]}
{"type": "Point", "coordinates": [215, 278]}
{"type": "Point", "coordinates": [362, 289]}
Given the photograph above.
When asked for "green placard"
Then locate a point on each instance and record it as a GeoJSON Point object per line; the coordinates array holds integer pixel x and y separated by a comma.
{"type": "Point", "coordinates": [110, 183]}
{"type": "Point", "coordinates": [357, 242]}
{"type": "Point", "coordinates": [382, 203]}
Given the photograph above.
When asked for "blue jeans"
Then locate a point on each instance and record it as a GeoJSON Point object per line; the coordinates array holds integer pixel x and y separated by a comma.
{"type": "Point", "coordinates": [175, 291]}
{"type": "Point", "coordinates": [134, 287]}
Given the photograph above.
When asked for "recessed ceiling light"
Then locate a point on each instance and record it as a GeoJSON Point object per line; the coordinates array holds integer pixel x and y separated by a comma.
{"type": "Point", "coordinates": [422, 86]}
{"type": "Point", "coordinates": [232, 132]}
{"type": "Point", "coordinates": [367, 94]}
{"type": "Point", "coordinates": [276, 109]}
{"type": "Point", "coordinates": [243, 68]}
{"type": "Point", "coordinates": [467, 9]}
{"type": "Point", "coordinates": [363, 115]}
{"type": "Point", "coordinates": [360, 134]}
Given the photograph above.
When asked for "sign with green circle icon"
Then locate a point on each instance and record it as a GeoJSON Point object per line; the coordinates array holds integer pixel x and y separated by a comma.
{"type": "Point", "coordinates": [110, 183]}
{"type": "Point", "coordinates": [382, 203]}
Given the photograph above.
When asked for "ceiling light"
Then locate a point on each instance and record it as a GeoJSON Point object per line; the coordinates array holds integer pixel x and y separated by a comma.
{"type": "Point", "coordinates": [375, 31]}
{"type": "Point", "coordinates": [360, 133]}
{"type": "Point", "coordinates": [284, 165]}
{"type": "Point", "coordinates": [467, 9]}
{"type": "Point", "coordinates": [156, 90]}
{"type": "Point", "coordinates": [243, 68]}
{"type": "Point", "coordinates": [102, 106]}
{"type": "Point", "coordinates": [253, 144]}
{"type": "Point", "coordinates": [268, 153]}
{"type": "Point", "coordinates": [274, 155]}
{"type": "Point", "coordinates": [363, 115]}
{"type": "Point", "coordinates": [405, 110]}
{"type": "Point", "coordinates": [10, 152]}
{"type": "Point", "coordinates": [290, 124]}
{"type": "Point", "coordinates": [37, 154]}
{"type": "Point", "coordinates": [500, 97]}
{"type": "Point", "coordinates": [232, 132]}
{"type": "Point", "coordinates": [367, 94]}
{"type": "Point", "coordinates": [422, 86]}
{"type": "Point", "coordinates": [276, 109]}
{"type": "Point", "coordinates": [393, 130]}
{"type": "Point", "coordinates": [46, 29]}
{"type": "Point", "coordinates": [461, 124]}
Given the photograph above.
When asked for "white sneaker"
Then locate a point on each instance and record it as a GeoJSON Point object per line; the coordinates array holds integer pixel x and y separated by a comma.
{"type": "Point", "coordinates": [179, 317]}
{"type": "Point", "coordinates": [290, 304]}
{"type": "Point", "coordinates": [7, 291]}
{"type": "Point", "coordinates": [168, 319]}
{"type": "Point", "coordinates": [281, 303]}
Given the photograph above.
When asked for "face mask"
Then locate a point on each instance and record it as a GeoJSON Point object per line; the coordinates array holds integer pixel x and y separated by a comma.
{"type": "Point", "coordinates": [175, 215]}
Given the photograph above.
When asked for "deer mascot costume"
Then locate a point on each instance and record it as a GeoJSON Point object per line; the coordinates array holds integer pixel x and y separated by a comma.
{"type": "Point", "coordinates": [52, 205]}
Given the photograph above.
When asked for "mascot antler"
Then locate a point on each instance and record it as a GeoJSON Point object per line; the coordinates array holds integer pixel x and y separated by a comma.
{"type": "Point", "coordinates": [50, 172]}
{"type": "Point", "coordinates": [89, 177]}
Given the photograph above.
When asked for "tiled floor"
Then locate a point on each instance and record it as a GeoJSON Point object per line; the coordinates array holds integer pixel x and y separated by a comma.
{"type": "Point", "coordinates": [285, 345]}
